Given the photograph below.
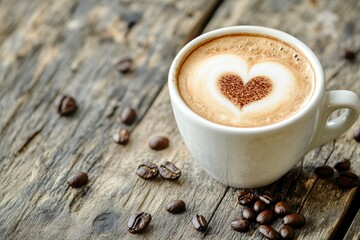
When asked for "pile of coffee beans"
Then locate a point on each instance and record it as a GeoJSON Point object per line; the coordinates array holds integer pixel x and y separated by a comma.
{"type": "Point", "coordinates": [345, 179]}
{"type": "Point", "coordinates": [263, 211]}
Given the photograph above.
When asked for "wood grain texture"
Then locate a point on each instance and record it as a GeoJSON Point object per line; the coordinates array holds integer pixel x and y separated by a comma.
{"type": "Point", "coordinates": [354, 230]}
{"type": "Point", "coordinates": [49, 47]}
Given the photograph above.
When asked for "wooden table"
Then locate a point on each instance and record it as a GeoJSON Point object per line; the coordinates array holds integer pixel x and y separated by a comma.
{"type": "Point", "coordinates": [52, 47]}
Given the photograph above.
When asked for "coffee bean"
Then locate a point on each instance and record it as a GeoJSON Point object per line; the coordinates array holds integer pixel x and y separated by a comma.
{"type": "Point", "coordinates": [295, 220]}
{"type": "Point", "coordinates": [287, 232]}
{"type": "Point", "coordinates": [324, 171]}
{"type": "Point", "coordinates": [138, 222]}
{"type": "Point", "coordinates": [240, 225]}
{"type": "Point", "coordinates": [65, 105]}
{"type": "Point", "coordinates": [124, 65]}
{"type": "Point", "coordinates": [343, 165]}
{"type": "Point", "coordinates": [348, 54]}
{"type": "Point", "coordinates": [265, 217]}
{"type": "Point", "coordinates": [121, 136]}
{"type": "Point", "coordinates": [159, 143]}
{"type": "Point", "coordinates": [78, 180]}
{"type": "Point", "coordinates": [357, 135]}
{"type": "Point", "coordinates": [249, 214]}
{"type": "Point", "coordinates": [245, 197]}
{"type": "Point", "coordinates": [282, 208]}
{"type": "Point", "coordinates": [199, 223]}
{"type": "Point", "coordinates": [269, 232]}
{"type": "Point", "coordinates": [348, 180]}
{"type": "Point", "coordinates": [128, 115]}
{"type": "Point", "coordinates": [267, 198]}
{"type": "Point", "coordinates": [259, 206]}
{"type": "Point", "coordinates": [177, 206]}
{"type": "Point", "coordinates": [169, 171]}
{"type": "Point", "coordinates": [147, 171]}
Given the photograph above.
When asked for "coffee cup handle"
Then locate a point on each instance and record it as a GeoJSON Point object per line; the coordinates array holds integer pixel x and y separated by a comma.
{"type": "Point", "coordinates": [328, 130]}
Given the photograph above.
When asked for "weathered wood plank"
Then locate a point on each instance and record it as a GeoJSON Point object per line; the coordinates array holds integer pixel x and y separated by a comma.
{"type": "Point", "coordinates": [327, 27]}
{"type": "Point", "coordinates": [70, 47]}
{"type": "Point", "coordinates": [354, 232]}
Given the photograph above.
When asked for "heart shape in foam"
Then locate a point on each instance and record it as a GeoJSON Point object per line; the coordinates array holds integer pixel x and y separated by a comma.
{"type": "Point", "coordinates": [240, 94]}
{"type": "Point", "coordinates": [280, 78]}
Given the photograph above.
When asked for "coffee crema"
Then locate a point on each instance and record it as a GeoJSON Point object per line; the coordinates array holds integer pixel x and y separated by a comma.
{"type": "Point", "coordinates": [245, 80]}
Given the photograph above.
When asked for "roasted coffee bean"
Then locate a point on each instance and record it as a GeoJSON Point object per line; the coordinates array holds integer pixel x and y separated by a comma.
{"type": "Point", "coordinates": [265, 217]}
{"type": "Point", "coordinates": [357, 135]}
{"type": "Point", "coordinates": [159, 143]}
{"type": "Point", "coordinates": [138, 222]}
{"type": "Point", "coordinates": [199, 223]}
{"type": "Point", "coordinates": [169, 171]}
{"type": "Point", "coordinates": [267, 198]}
{"type": "Point", "coordinates": [249, 214]}
{"type": "Point", "coordinates": [121, 136]}
{"type": "Point", "coordinates": [348, 180]}
{"type": "Point", "coordinates": [147, 171]}
{"type": "Point", "coordinates": [343, 165]}
{"type": "Point", "coordinates": [324, 171]}
{"type": "Point", "coordinates": [65, 105]}
{"type": "Point", "coordinates": [269, 232]}
{"type": "Point", "coordinates": [348, 54]}
{"type": "Point", "coordinates": [177, 206]}
{"type": "Point", "coordinates": [124, 65]}
{"type": "Point", "coordinates": [128, 115]}
{"type": "Point", "coordinates": [259, 206]}
{"type": "Point", "coordinates": [78, 180]}
{"type": "Point", "coordinates": [294, 220]}
{"type": "Point", "coordinates": [282, 208]}
{"type": "Point", "coordinates": [287, 232]}
{"type": "Point", "coordinates": [240, 225]}
{"type": "Point", "coordinates": [245, 197]}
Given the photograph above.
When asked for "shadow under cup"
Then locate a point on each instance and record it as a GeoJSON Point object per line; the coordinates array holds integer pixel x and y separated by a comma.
{"type": "Point", "coordinates": [256, 156]}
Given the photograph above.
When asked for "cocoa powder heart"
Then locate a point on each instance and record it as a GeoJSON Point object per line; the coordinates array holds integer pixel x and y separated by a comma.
{"type": "Point", "coordinates": [240, 94]}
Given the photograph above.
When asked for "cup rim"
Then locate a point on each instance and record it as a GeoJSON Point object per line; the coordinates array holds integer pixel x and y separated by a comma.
{"type": "Point", "coordinates": [309, 54]}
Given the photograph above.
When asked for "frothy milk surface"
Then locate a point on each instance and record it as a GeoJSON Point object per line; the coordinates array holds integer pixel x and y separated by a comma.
{"type": "Point", "coordinates": [245, 80]}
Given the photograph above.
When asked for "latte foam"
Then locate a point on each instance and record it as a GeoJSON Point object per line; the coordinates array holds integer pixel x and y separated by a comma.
{"type": "Point", "coordinates": [245, 80]}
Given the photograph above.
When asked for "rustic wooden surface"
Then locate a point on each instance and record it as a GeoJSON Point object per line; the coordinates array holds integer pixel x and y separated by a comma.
{"type": "Point", "coordinates": [52, 47]}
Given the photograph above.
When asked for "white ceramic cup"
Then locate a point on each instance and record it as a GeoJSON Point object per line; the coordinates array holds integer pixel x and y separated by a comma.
{"type": "Point", "coordinates": [258, 156]}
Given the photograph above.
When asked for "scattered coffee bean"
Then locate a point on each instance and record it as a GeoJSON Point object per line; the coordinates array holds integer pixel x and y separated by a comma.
{"type": "Point", "coordinates": [287, 232]}
{"type": "Point", "coordinates": [138, 222]}
{"type": "Point", "coordinates": [121, 136]}
{"type": "Point", "coordinates": [147, 171]}
{"type": "Point", "coordinates": [169, 171]}
{"type": "Point", "coordinates": [78, 180]}
{"type": "Point", "coordinates": [282, 208]}
{"type": "Point", "coordinates": [199, 223]}
{"type": "Point", "coordinates": [65, 105]}
{"type": "Point", "coordinates": [269, 232]}
{"type": "Point", "coordinates": [348, 54]}
{"type": "Point", "coordinates": [324, 171]}
{"type": "Point", "coordinates": [128, 115]}
{"type": "Point", "coordinates": [245, 197]}
{"type": "Point", "coordinates": [259, 206]}
{"type": "Point", "coordinates": [159, 143]}
{"type": "Point", "coordinates": [249, 214]}
{"type": "Point", "coordinates": [343, 165]}
{"type": "Point", "coordinates": [240, 225]}
{"type": "Point", "coordinates": [177, 206]}
{"type": "Point", "coordinates": [267, 198]}
{"type": "Point", "coordinates": [124, 65]}
{"type": "Point", "coordinates": [348, 180]}
{"type": "Point", "coordinates": [265, 217]}
{"type": "Point", "coordinates": [294, 220]}
{"type": "Point", "coordinates": [357, 135]}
